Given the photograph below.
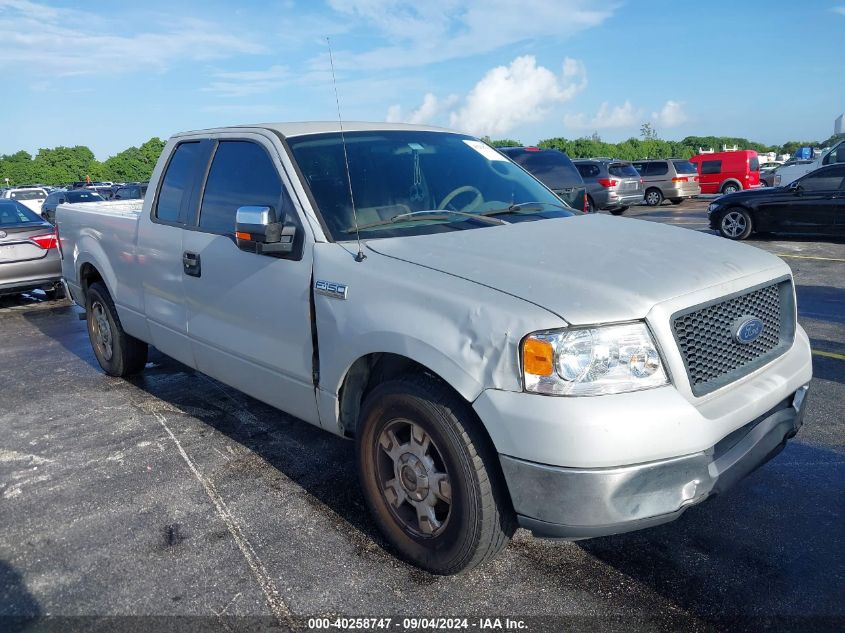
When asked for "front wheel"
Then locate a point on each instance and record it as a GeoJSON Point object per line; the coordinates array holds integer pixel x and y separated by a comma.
{"type": "Point", "coordinates": [735, 224]}
{"type": "Point", "coordinates": [430, 476]}
{"type": "Point", "coordinates": [118, 353]}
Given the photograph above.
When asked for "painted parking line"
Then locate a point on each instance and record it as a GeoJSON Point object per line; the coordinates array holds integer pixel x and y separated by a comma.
{"type": "Point", "coordinates": [826, 259]}
{"type": "Point", "coordinates": [819, 352]}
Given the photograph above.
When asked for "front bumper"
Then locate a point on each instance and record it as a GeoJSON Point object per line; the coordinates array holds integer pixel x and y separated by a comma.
{"type": "Point", "coordinates": [577, 503]}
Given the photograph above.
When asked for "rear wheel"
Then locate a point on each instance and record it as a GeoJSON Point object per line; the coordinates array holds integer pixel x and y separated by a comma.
{"type": "Point", "coordinates": [118, 353]}
{"type": "Point", "coordinates": [735, 224]}
{"type": "Point", "coordinates": [430, 476]}
{"type": "Point", "coordinates": [730, 187]}
{"type": "Point", "coordinates": [653, 197]}
{"type": "Point", "coordinates": [591, 206]}
{"type": "Point", "coordinates": [676, 200]}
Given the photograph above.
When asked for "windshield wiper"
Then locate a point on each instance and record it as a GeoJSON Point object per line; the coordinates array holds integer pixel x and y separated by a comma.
{"type": "Point", "coordinates": [434, 214]}
{"type": "Point", "coordinates": [526, 207]}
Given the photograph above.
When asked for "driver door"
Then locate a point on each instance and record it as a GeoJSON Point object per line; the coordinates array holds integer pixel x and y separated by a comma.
{"type": "Point", "coordinates": [249, 315]}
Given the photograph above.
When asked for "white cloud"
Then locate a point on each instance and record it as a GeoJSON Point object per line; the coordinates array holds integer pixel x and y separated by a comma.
{"type": "Point", "coordinates": [606, 117]}
{"type": "Point", "coordinates": [508, 96]}
{"type": "Point", "coordinates": [421, 33]}
{"type": "Point", "coordinates": [430, 109]}
{"type": "Point", "coordinates": [671, 115]}
{"type": "Point", "coordinates": [44, 40]}
{"type": "Point", "coordinates": [840, 10]}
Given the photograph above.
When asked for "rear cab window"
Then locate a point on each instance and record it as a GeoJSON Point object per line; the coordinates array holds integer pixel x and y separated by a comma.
{"type": "Point", "coordinates": [177, 183]}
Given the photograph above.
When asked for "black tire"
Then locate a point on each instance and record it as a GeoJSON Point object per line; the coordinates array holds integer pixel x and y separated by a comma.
{"type": "Point", "coordinates": [618, 210]}
{"type": "Point", "coordinates": [591, 206]}
{"type": "Point", "coordinates": [735, 224]}
{"type": "Point", "coordinates": [676, 200]}
{"type": "Point", "coordinates": [477, 521]}
{"type": "Point", "coordinates": [730, 187]}
{"type": "Point", "coordinates": [653, 197]}
{"type": "Point", "coordinates": [118, 353]}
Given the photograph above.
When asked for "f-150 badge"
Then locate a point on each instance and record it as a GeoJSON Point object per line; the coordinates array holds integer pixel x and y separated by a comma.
{"type": "Point", "coordinates": [331, 289]}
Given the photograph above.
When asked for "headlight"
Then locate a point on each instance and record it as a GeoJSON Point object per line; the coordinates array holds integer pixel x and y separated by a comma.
{"type": "Point", "coordinates": [592, 361]}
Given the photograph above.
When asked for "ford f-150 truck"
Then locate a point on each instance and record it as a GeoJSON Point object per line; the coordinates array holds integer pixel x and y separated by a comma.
{"type": "Point", "coordinates": [498, 359]}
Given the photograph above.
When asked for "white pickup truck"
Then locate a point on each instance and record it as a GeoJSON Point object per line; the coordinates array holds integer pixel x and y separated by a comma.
{"type": "Point", "coordinates": [791, 172]}
{"type": "Point", "coordinates": [499, 359]}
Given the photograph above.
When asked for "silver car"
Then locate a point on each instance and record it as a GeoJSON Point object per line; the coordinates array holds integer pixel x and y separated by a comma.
{"type": "Point", "coordinates": [673, 179]}
{"type": "Point", "coordinates": [613, 185]}
{"type": "Point", "coordinates": [29, 253]}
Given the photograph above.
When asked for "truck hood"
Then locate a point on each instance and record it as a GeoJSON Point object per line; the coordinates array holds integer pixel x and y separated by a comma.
{"type": "Point", "coordinates": [585, 269]}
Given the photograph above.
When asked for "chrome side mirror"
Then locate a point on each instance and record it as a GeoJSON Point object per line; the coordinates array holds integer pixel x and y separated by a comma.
{"type": "Point", "coordinates": [257, 230]}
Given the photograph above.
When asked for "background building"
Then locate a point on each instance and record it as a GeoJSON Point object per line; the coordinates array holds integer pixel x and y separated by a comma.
{"type": "Point", "coordinates": [838, 125]}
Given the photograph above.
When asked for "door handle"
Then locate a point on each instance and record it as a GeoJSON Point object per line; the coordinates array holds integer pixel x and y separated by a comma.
{"type": "Point", "coordinates": [191, 264]}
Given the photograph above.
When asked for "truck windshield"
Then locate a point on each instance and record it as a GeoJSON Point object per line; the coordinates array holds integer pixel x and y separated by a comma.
{"type": "Point", "coordinates": [394, 173]}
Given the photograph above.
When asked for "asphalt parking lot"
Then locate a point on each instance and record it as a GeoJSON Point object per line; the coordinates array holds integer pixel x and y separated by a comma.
{"type": "Point", "coordinates": [173, 495]}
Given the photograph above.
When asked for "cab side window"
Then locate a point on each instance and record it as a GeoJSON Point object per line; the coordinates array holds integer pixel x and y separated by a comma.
{"type": "Point", "coordinates": [177, 182]}
{"type": "Point", "coordinates": [241, 174]}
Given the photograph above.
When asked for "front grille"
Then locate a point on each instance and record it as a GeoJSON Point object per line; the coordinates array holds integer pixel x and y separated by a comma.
{"type": "Point", "coordinates": [705, 335]}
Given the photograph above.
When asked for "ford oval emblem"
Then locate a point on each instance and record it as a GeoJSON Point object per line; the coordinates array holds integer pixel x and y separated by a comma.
{"type": "Point", "coordinates": [747, 329]}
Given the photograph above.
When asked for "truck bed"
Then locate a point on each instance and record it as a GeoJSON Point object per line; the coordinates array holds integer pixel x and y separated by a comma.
{"type": "Point", "coordinates": [92, 229]}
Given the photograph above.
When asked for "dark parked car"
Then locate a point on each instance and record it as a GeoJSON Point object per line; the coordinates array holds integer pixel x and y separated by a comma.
{"type": "Point", "coordinates": [555, 170]}
{"type": "Point", "coordinates": [815, 203]}
{"type": "Point", "coordinates": [131, 192]}
{"type": "Point", "coordinates": [29, 254]}
{"type": "Point", "coordinates": [611, 184]}
{"type": "Point", "coordinates": [48, 209]}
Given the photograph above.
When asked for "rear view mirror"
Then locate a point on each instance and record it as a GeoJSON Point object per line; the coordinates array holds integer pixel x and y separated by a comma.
{"type": "Point", "coordinates": [794, 187]}
{"type": "Point", "coordinates": [258, 231]}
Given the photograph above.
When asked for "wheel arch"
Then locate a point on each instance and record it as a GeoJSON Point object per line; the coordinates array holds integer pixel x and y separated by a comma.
{"type": "Point", "coordinates": [374, 368]}
{"type": "Point", "coordinates": [728, 181]}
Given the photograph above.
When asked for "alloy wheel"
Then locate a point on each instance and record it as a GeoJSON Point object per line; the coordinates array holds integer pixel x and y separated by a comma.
{"type": "Point", "coordinates": [734, 224]}
{"type": "Point", "coordinates": [413, 478]}
{"type": "Point", "coordinates": [102, 330]}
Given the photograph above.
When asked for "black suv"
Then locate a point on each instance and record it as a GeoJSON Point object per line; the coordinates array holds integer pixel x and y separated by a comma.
{"type": "Point", "coordinates": [555, 170]}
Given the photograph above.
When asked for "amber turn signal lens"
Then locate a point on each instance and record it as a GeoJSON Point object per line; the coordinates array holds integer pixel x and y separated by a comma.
{"type": "Point", "coordinates": [243, 236]}
{"type": "Point", "coordinates": [538, 357]}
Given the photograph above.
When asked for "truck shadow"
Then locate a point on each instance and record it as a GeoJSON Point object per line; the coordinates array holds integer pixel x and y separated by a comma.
{"type": "Point", "coordinates": [321, 463]}
{"type": "Point", "coordinates": [769, 553]}
{"type": "Point", "coordinates": [18, 607]}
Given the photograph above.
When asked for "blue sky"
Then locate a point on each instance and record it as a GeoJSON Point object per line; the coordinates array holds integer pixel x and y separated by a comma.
{"type": "Point", "coordinates": [111, 74]}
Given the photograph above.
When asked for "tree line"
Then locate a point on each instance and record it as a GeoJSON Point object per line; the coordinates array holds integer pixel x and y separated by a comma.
{"type": "Point", "coordinates": [63, 165]}
{"type": "Point", "coordinates": [649, 146]}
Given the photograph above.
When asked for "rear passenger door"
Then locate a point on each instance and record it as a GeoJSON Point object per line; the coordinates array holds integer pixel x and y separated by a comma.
{"type": "Point", "coordinates": [159, 250]}
{"type": "Point", "coordinates": [249, 315]}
